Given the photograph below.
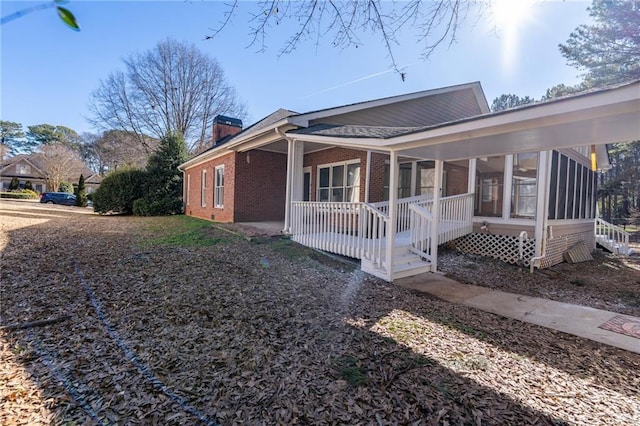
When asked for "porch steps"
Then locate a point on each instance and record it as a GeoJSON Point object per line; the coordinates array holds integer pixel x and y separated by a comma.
{"type": "Point", "coordinates": [612, 245]}
{"type": "Point", "coordinates": [405, 264]}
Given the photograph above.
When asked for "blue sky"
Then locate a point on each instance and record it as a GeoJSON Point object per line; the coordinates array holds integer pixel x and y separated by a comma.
{"type": "Point", "coordinates": [49, 71]}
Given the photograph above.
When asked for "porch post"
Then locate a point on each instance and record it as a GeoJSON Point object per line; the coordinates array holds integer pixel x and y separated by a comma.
{"type": "Point", "coordinates": [471, 185]}
{"type": "Point", "coordinates": [298, 174]}
{"type": "Point", "coordinates": [367, 177]}
{"type": "Point", "coordinates": [289, 183]}
{"type": "Point", "coordinates": [393, 211]}
{"type": "Point", "coordinates": [507, 187]}
{"type": "Point", "coordinates": [542, 201]}
{"type": "Point", "coordinates": [435, 223]}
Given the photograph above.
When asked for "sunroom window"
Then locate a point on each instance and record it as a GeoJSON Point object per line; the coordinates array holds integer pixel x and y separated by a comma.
{"type": "Point", "coordinates": [524, 187]}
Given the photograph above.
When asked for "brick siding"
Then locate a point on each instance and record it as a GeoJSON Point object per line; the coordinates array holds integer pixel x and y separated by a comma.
{"type": "Point", "coordinates": [261, 181]}
{"type": "Point", "coordinates": [209, 212]}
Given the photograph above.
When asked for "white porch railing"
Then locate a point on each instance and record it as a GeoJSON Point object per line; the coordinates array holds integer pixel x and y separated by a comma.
{"type": "Point", "coordinates": [403, 209]}
{"type": "Point", "coordinates": [359, 230]}
{"type": "Point", "coordinates": [349, 229]}
{"type": "Point", "coordinates": [374, 227]}
{"type": "Point", "coordinates": [420, 231]}
{"type": "Point", "coordinates": [456, 217]}
{"type": "Point", "coordinates": [614, 238]}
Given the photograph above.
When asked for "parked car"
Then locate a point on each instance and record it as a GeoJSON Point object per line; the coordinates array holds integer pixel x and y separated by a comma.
{"type": "Point", "coordinates": [63, 198]}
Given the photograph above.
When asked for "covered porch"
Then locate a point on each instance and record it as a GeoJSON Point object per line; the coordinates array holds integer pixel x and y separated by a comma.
{"type": "Point", "coordinates": [400, 238]}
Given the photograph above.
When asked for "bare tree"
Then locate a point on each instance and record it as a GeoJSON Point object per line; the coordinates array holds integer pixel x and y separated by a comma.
{"type": "Point", "coordinates": [172, 88]}
{"type": "Point", "coordinates": [436, 22]}
{"type": "Point", "coordinates": [116, 148]}
{"type": "Point", "coordinates": [60, 163]}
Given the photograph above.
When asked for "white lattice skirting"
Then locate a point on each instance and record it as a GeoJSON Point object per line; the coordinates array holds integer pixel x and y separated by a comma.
{"type": "Point", "coordinates": [506, 248]}
{"type": "Point", "coordinates": [502, 247]}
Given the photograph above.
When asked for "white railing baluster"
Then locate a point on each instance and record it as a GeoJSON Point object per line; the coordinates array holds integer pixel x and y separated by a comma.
{"type": "Point", "coordinates": [359, 229]}
{"type": "Point", "coordinates": [611, 236]}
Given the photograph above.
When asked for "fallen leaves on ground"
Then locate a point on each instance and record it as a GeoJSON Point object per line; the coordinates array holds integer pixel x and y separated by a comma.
{"type": "Point", "coordinates": [267, 332]}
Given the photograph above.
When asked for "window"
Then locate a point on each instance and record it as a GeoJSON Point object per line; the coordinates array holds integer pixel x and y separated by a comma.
{"type": "Point", "coordinates": [339, 182]}
{"type": "Point", "coordinates": [203, 188]}
{"type": "Point", "coordinates": [490, 173]}
{"type": "Point", "coordinates": [24, 169]}
{"type": "Point", "coordinates": [524, 185]}
{"type": "Point", "coordinates": [414, 178]}
{"type": "Point", "coordinates": [218, 189]}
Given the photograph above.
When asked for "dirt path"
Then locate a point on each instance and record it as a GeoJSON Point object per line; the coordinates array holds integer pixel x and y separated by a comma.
{"type": "Point", "coordinates": [176, 324]}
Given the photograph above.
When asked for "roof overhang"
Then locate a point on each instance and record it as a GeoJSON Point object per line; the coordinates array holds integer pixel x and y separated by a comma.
{"type": "Point", "coordinates": [596, 118]}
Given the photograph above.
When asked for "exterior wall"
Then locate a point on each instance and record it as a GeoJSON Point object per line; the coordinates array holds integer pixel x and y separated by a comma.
{"type": "Point", "coordinates": [376, 187]}
{"type": "Point", "coordinates": [221, 130]}
{"type": "Point", "coordinates": [39, 185]}
{"type": "Point", "coordinates": [193, 177]}
{"type": "Point", "coordinates": [334, 155]}
{"type": "Point", "coordinates": [564, 237]}
{"type": "Point", "coordinates": [457, 179]}
{"type": "Point", "coordinates": [260, 186]}
{"type": "Point", "coordinates": [503, 228]}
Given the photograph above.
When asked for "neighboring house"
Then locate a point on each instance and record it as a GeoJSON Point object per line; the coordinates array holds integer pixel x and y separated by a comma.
{"type": "Point", "coordinates": [29, 168]}
{"type": "Point", "coordinates": [518, 185]}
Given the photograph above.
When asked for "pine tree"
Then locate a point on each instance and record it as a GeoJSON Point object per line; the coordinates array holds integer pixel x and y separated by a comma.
{"type": "Point", "coordinates": [609, 49]}
{"type": "Point", "coordinates": [164, 179]}
{"type": "Point", "coordinates": [81, 193]}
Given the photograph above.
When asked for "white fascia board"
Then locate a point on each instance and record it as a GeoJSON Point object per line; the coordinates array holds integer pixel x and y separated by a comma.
{"type": "Point", "coordinates": [203, 159]}
{"type": "Point", "coordinates": [306, 118]}
{"type": "Point", "coordinates": [482, 99]}
{"type": "Point", "coordinates": [359, 143]}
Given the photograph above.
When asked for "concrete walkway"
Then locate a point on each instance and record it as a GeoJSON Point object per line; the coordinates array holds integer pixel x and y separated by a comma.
{"type": "Point", "coordinates": [572, 319]}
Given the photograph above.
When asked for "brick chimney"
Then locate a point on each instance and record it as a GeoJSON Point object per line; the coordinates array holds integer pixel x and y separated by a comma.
{"type": "Point", "coordinates": [224, 128]}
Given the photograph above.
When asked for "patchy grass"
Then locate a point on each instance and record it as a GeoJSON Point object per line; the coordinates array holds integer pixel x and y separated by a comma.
{"type": "Point", "coordinates": [180, 231]}
{"type": "Point", "coordinates": [630, 298]}
{"type": "Point", "coordinates": [350, 371]}
{"type": "Point", "coordinates": [285, 247]}
{"type": "Point", "coordinates": [579, 282]}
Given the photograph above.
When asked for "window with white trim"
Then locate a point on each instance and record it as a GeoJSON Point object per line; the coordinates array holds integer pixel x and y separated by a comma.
{"type": "Point", "coordinates": [203, 188]}
{"type": "Point", "coordinates": [218, 189]}
{"type": "Point", "coordinates": [339, 182]}
{"type": "Point", "coordinates": [524, 188]}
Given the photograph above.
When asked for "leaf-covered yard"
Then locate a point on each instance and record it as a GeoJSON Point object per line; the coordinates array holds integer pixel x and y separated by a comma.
{"type": "Point", "coordinates": [173, 321]}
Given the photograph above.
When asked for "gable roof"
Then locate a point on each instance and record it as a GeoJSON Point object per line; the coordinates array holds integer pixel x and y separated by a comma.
{"type": "Point", "coordinates": [383, 117]}
{"type": "Point", "coordinates": [596, 117]}
{"type": "Point", "coordinates": [26, 158]}
{"type": "Point", "coordinates": [420, 105]}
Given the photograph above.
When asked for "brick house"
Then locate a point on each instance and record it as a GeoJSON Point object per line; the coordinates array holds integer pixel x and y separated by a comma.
{"type": "Point", "coordinates": [518, 185]}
